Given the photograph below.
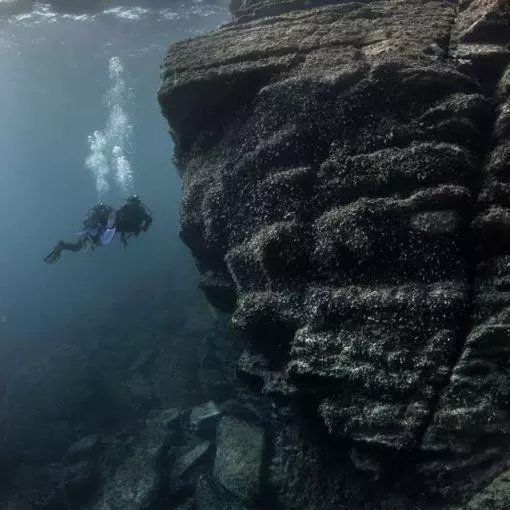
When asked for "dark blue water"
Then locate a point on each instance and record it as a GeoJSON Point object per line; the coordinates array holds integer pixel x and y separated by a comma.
{"type": "Point", "coordinates": [53, 81]}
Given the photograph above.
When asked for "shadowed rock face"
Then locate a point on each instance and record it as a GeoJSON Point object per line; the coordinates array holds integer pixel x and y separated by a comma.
{"type": "Point", "coordinates": [346, 196]}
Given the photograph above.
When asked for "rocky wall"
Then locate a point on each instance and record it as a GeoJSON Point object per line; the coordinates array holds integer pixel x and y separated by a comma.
{"type": "Point", "coordinates": [345, 194]}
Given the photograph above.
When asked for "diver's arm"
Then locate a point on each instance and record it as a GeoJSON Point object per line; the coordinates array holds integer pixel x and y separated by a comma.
{"type": "Point", "coordinates": [124, 237]}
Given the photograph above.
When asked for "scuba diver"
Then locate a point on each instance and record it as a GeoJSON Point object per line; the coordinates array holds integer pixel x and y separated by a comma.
{"type": "Point", "coordinates": [103, 222]}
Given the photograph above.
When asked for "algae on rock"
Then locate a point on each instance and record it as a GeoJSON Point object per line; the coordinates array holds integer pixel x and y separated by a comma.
{"type": "Point", "coordinates": [345, 196]}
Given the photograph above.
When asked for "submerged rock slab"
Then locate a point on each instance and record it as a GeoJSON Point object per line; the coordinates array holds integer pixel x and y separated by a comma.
{"type": "Point", "coordinates": [190, 459]}
{"type": "Point", "coordinates": [169, 418]}
{"type": "Point", "coordinates": [203, 419]}
{"type": "Point", "coordinates": [239, 457]}
{"type": "Point", "coordinates": [346, 198]}
{"type": "Point", "coordinates": [496, 496]}
{"type": "Point", "coordinates": [85, 447]}
{"type": "Point", "coordinates": [136, 483]}
{"type": "Point", "coordinates": [210, 496]}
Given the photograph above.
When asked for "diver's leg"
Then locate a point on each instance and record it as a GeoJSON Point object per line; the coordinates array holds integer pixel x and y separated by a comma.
{"type": "Point", "coordinates": [77, 246]}
{"type": "Point", "coordinates": [54, 255]}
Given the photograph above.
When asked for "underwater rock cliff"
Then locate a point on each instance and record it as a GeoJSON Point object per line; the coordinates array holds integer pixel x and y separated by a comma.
{"type": "Point", "coordinates": [346, 196]}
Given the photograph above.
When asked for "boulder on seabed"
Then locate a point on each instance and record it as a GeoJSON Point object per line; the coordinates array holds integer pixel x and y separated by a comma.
{"type": "Point", "coordinates": [137, 482]}
{"type": "Point", "coordinates": [495, 496]}
{"type": "Point", "coordinates": [211, 496]}
{"type": "Point", "coordinates": [169, 418]}
{"type": "Point", "coordinates": [245, 412]}
{"type": "Point", "coordinates": [187, 505]}
{"type": "Point", "coordinates": [239, 457]}
{"type": "Point", "coordinates": [85, 447]}
{"type": "Point", "coordinates": [190, 459]}
{"type": "Point", "coordinates": [204, 418]}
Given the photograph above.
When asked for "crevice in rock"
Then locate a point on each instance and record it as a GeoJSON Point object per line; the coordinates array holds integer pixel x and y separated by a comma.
{"type": "Point", "coordinates": [448, 42]}
{"type": "Point", "coordinates": [254, 56]}
{"type": "Point", "coordinates": [473, 251]}
{"type": "Point", "coordinates": [262, 9]}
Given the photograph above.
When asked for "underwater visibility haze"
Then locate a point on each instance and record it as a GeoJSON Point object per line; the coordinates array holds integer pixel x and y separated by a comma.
{"type": "Point", "coordinates": [317, 317]}
{"type": "Point", "coordinates": [80, 124]}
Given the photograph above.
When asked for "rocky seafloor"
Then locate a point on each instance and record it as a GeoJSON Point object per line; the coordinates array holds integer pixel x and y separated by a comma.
{"type": "Point", "coordinates": [345, 169]}
{"type": "Point", "coordinates": [139, 414]}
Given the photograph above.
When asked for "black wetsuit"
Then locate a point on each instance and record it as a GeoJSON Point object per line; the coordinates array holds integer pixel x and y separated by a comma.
{"type": "Point", "coordinates": [132, 218]}
{"type": "Point", "coordinates": [77, 246]}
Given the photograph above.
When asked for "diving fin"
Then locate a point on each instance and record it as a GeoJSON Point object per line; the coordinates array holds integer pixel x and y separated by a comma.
{"type": "Point", "coordinates": [54, 255]}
